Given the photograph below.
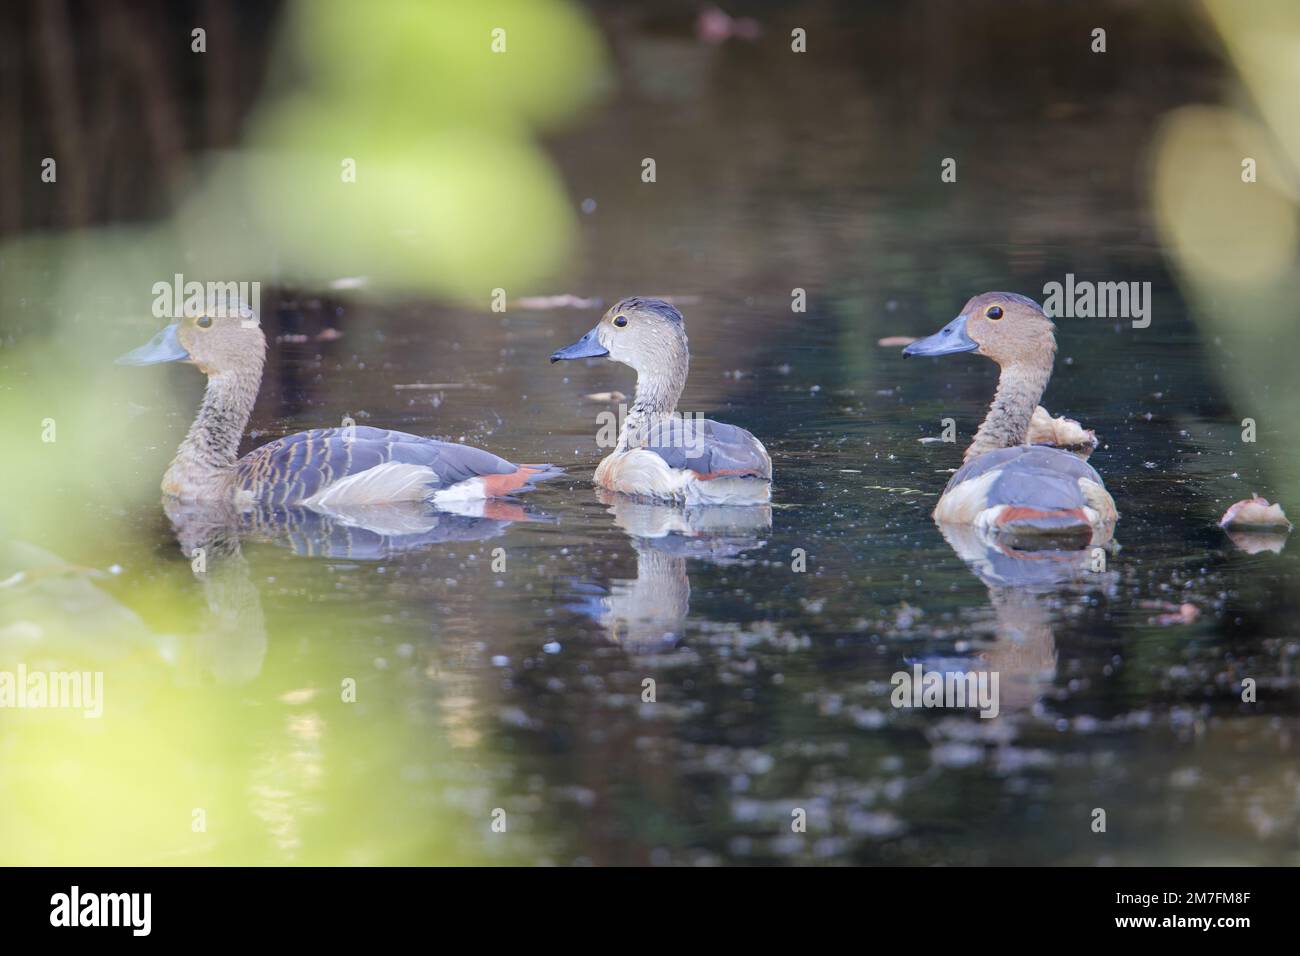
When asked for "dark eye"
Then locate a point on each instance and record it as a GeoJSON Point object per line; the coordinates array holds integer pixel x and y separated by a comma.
{"type": "Point", "coordinates": [994, 312]}
{"type": "Point", "coordinates": [204, 321]}
{"type": "Point", "coordinates": [620, 320]}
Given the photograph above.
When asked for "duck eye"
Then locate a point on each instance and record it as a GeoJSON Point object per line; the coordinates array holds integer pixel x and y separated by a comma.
{"type": "Point", "coordinates": [204, 321]}
{"type": "Point", "coordinates": [620, 320]}
{"type": "Point", "coordinates": [993, 312]}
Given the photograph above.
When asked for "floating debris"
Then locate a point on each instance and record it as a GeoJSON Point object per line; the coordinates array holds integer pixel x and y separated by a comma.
{"type": "Point", "coordinates": [350, 282]}
{"type": "Point", "coordinates": [1255, 514]}
{"type": "Point", "coordinates": [896, 341]}
{"type": "Point", "coordinates": [564, 301]}
{"type": "Point", "coordinates": [1060, 432]}
{"type": "Point", "coordinates": [302, 696]}
{"type": "Point", "coordinates": [715, 26]}
{"type": "Point", "coordinates": [299, 338]}
{"type": "Point", "coordinates": [606, 397]}
{"type": "Point", "coordinates": [433, 386]}
{"type": "Point", "coordinates": [1175, 613]}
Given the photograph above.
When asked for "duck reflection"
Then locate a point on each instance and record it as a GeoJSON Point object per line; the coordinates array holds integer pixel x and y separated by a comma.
{"type": "Point", "coordinates": [647, 613]}
{"type": "Point", "coordinates": [360, 533]}
{"type": "Point", "coordinates": [231, 645]}
{"type": "Point", "coordinates": [1023, 588]}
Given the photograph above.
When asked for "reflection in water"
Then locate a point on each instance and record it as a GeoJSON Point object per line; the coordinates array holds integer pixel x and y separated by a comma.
{"type": "Point", "coordinates": [646, 613]}
{"type": "Point", "coordinates": [1022, 586]}
{"type": "Point", "coordinates": [287, 770]}
{"type": "Point", "coordinates": [475, 689]}
{"type": "Point", "coordinates": [1257, 542]}
{"type": "Point", "coordinates": [232, 645]}
{"type": "Point", "coordinates": [360, 533]}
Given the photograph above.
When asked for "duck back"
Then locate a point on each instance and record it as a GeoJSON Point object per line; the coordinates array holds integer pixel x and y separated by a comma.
{"type": "Point", "coordinates": [375, 463]}
{"type": "Point", "coordinates": [711, 448]}
{"type": "Point", "coordinates": [1029, 490]}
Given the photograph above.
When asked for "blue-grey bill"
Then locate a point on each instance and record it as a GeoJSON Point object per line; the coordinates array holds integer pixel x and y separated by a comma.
{"type": "Point", "coordinates": [950, 339]}
{"type": "Point", "coordinates": [163, 347]}
{"type": "Point", "coordinates": [586, 347]}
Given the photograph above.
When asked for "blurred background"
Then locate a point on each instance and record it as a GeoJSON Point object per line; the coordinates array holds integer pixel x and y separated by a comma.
{"type": "Point", "coordinates": [383, 172]}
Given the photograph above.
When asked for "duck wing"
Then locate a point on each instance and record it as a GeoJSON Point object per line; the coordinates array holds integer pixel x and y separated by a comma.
{"type": "Point", "coordinates": [710, 449]}
{"type": "Point", "coordinates": [370, 533]}
{"type": "Point", "coordinates": [364, 465]}
{"type": "Point", "coordinates": [1029, 475]}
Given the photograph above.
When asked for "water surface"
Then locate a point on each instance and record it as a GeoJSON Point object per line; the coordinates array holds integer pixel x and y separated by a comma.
{"type": "Point", "coordinates": [480, 690]}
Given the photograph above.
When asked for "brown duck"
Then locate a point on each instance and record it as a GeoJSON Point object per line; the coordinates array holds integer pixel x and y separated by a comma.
{"type": "Point", "coordinates": [1008, 486]}
{"type": "Point", "coordinates": [326, 469]}
{"type": "Point", "coordinates": [661, 454]}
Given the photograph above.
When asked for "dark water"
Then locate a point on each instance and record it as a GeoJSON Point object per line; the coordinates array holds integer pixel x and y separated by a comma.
{"type": "Point", "coordinates": [521, 690]}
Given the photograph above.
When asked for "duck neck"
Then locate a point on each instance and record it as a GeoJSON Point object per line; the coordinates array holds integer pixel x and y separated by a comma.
{"type": "Point", "coordinates": [202, 465]}
{"type": "Point", "coordinates": [1007, 423]}
{"type": "Point", "coordinates": [655, 400]}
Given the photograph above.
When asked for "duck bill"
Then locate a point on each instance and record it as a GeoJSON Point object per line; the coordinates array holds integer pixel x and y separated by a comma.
{"type": "Point", "coordinates": [949, 340]}
{"type": "Point", "coordinates": [586, 347]}
{"type": "Point", "coordinates": [163, 347]}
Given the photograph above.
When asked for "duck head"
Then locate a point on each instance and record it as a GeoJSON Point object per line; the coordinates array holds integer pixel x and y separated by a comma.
{"type": "Point", "coordinates": [216, 340]}
{"type": "Point", "coordinates": [647, 334]}
{"type": "Point", "coordinates": [1008, 328]}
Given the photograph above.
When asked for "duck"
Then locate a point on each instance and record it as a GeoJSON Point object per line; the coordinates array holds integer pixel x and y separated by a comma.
{"type": "Point", "coordinates": [329, 470]}
{"type": "Point", "coordinates": [1006, 485]}
{"type": "Point", "coordinates": [660, 453]}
